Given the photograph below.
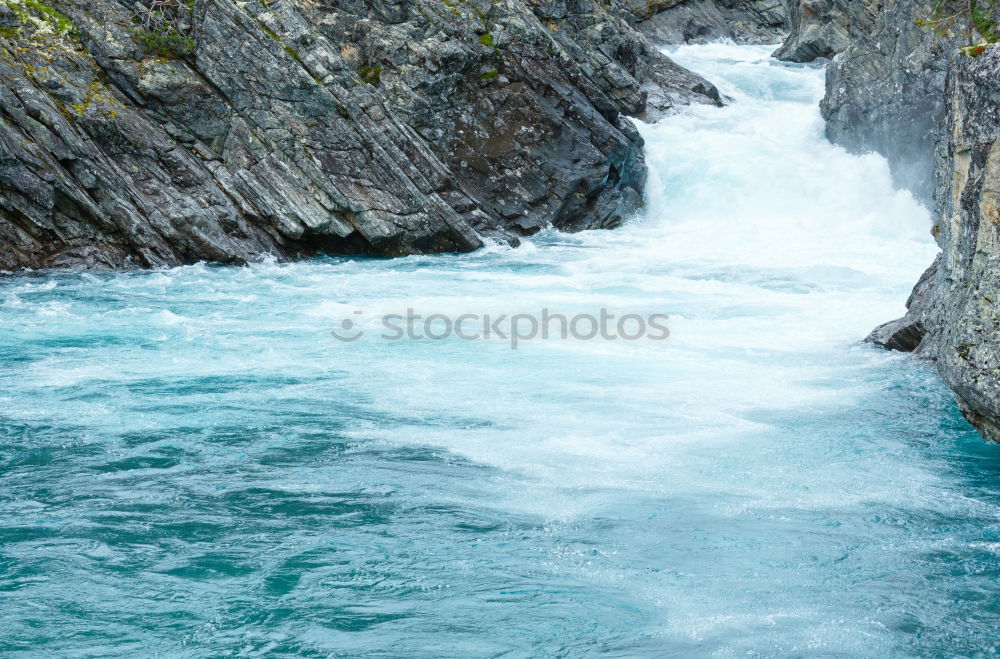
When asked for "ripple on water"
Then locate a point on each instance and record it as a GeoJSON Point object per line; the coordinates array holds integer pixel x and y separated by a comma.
{"type": "Point", "coordinates": [190, 464]}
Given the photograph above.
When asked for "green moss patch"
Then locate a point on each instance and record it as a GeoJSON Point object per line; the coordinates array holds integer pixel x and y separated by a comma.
{"type": "Point", "coordinates": [371, 75]}
{"type": "Point", "coordinates": [35, 12]}
{"type": "Point", "coordinates": [164, 41]}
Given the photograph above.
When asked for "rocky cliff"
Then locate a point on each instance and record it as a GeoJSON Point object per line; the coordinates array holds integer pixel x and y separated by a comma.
{"type": "Point", "coordinates": [898, 88]}
{"type": "Point", "coordinates": [953, 316]}
{"type": "Point", "coordinates": [296, 127]}
{"type": "Point", "coordinates": [823, 28]}
{"type": "Point", "coordinates": [171, 131]}
{"type": "Point", "coordinates": [701, 21]}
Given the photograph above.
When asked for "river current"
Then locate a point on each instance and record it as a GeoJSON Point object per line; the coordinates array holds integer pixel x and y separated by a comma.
{"type": "Point", "coordinates": [191, 464]}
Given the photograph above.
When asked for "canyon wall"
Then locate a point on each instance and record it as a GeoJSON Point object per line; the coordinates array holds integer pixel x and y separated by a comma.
{"type": "Point", "coordinates": [702, 21]}
{"type": "Point", "coordinates": [293, 127]}
{"type": "Point", "coordinates": [896, 87]}
{"type": "Point", "coordinates": [953, 316]}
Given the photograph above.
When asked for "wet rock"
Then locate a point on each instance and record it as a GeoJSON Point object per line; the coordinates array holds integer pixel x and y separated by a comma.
{"type": "Point", "coordinates": [821, 29]}
{"type": "Point", "coordinates": [294, 127]}
{"type": "Point", "coordinates": [905, 334]}
{"type": "Point", "coordinates": [962, 311]}
{"type": "Point", "coordinates": [903, 90]}
{"type": "Point", "coordinates": [953, 316]}
{"type": "Point", "coordinates": [885, 93]}
{"type": "Point", "coordinates": [697, 21]}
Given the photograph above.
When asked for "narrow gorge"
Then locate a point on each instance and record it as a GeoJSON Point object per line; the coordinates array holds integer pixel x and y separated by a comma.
{"type": "Point", "coordinates": [461, 328]}
{"type": "Point", "coordinates": [225, 131]}
{"type": "Point", "coordinates": [898, 88]}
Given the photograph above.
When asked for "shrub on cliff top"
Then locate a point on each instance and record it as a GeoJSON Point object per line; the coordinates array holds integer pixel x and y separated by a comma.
{"type": "Point", "coordinates": [973, 20]}
{"type": "Point", "coordinates": [165, 27]}
{"type": "Point", "coordinates": [164, 41]}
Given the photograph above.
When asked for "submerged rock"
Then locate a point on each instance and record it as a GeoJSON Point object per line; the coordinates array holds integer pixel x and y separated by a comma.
{"type": "Point", "coordinates": [292, 127]}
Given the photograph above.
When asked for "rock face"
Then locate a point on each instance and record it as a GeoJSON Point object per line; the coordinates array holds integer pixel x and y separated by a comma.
{"type": "Point", "coordinates": [885, 85]}
{"type": "Point", "coordinates": [954, 314]}
{"type": "Point", "coordinates": [291, 127]}
{"type": "Point", "coordinates": [822, 28]}
{"type": "Point", "coordinates": [701, 21]}
{"type": "Point", "coordinates": [899, 89]}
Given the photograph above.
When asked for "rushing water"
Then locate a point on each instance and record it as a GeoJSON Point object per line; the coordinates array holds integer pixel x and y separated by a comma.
{"type": "Point", "coordinates": [191, 464]}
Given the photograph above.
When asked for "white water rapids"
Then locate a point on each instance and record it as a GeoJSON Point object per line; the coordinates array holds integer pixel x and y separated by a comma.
{"type": "Point", "coordinates": [192, 462]}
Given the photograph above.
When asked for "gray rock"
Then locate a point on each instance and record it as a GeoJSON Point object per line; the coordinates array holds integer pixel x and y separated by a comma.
{"type": "Point", "coordinates": [905, 334]}
{"type": "Point", "coordinates": [885, 92]}
{"type": "Point", "coordinates": [702, 21]}
{"type": "Point", "coordinates": [885, 85]}
{"type": "Point", "coordinates": [961, 312]}
{"type": "Point", "coordinates": [8, 17]}
{"type": "Point", "coordinates": [821, 28]}
{"type": "Point", "coordinates": [295, 127]}
{"type": "Point", "coordinates": [901, 90]}
{"type": "Point", "coordinates": [953, 317]}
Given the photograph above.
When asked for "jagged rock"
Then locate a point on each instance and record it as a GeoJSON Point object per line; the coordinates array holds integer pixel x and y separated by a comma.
{"type": "Point", "coordinates": [961, 312]}
{"type": "Point", "coordinates": [8, 18]}
{"type": "Point", "coordinates": [821, 28]}
{"type": "Point", "coordinates": [953, 317]}
{"type": "Point", "coordinates": [905, 91]}
{"type": "Point", "coordinates": [296, 126]}
{"type": "Point", "coordinates": [885, 87]}
{"type": "Point", "coordinates": [885, 92]}
{"type": "Point", "coordinates": [701, 21]}
{"type": "Point", "coordinates": [905, 334]}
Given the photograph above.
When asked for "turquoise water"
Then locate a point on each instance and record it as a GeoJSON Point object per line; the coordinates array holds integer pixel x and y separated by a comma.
{"type": "Point", "coordinates": [192, 465]}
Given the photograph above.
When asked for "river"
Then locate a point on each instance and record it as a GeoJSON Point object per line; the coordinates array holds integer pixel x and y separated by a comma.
{"type": "Point", "coordinates": [192, 463]}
